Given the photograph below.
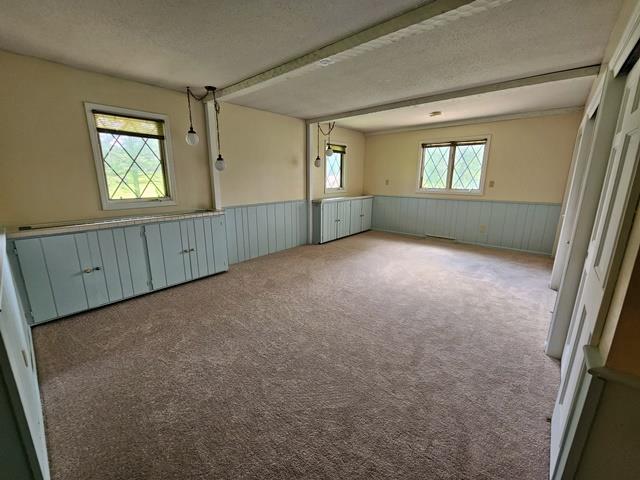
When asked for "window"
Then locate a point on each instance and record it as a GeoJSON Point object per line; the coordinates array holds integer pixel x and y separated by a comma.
{"type": "Point", "coordinates": [453, 167]}
{"type": "Point", "coordinates": [132, 157]}
{"type": "Point", "coordinates": [334, 168]}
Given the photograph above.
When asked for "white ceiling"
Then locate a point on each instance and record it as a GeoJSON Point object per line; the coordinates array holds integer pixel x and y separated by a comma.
{"type": "Point", "coordinates": [518, 39]}
{"type": "Point", "coordinates": [179, 43]}
{"type": "Point", "coordinates": [533, 98]}
{"type": "Point", "coordinates": [206, 42]}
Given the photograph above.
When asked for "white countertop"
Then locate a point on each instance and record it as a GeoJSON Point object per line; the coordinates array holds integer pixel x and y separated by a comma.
{"type": "Point", "coordinates": [337, 199]}
{"type": "Point", "coordinates": [98, 224]}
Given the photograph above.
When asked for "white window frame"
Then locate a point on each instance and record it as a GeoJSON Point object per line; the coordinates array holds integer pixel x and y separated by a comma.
{"type": "Point", "coordinates": [454, 191]}
{"type": "Point", "coordinates": [107, 203]}
{"type": "Point", "coordinates": [335, 191]}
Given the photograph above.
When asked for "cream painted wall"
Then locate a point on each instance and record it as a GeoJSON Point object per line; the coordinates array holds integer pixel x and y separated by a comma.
{"type": "Point", "coordinates": [264, 155]}
{"type": "Point", "coordinates": [354, 161]}
{"type": "Point", "coordinates": [528, 159]}
{"type": "Point", "coordinates": [47, 170]}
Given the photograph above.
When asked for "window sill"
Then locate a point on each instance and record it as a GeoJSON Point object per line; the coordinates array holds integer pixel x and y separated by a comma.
{"type": "Point", "coordinates": [336, 191]}
{"type": "Point", "coordinates": [449, 192]}
{"type": "Point", "coordinates": [125, 205]}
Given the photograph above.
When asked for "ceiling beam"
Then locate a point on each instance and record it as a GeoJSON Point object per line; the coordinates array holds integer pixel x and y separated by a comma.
{"type": "Point", "coordinates": [426, 17]}
{"type": "Point", "coordinates": [493, 87]}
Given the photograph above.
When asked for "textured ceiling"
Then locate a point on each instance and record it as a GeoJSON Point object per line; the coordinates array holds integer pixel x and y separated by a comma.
{"type": "Point", "coordinates": [517, 39]}
{"type": "Point", "coordinates": [199, 42]}
{"type": "Point", "coordinates": [547, 96]}
{"type": "Point", "coordinates": [178, 43]}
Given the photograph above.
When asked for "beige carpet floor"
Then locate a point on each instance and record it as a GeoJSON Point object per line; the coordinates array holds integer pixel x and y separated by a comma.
{"type": "Point", "coordinates": [374, 357]}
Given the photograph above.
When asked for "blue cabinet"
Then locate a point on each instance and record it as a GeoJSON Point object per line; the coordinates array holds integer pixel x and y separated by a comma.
{"type": "Point", "coordinates": [338, 217]}
{"type": "Point", "coordinates": [70, 273]}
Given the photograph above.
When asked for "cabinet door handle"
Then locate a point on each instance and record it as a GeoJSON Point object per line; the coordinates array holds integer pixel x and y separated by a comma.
{"type": "Point", "coordinates": [91, 269]}
{"type": "Point", "coordinates": [192, 249]}
{"type": "Point", "coordinates": [362, 214]}
{"type": "Point", "coordinates": [184, 251]}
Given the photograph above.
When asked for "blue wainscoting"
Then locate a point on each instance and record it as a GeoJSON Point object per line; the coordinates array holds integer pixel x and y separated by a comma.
{"type": "Point", "coordinates": [255, 230]}
{"type": "Point", "coordinates": [516, 225]}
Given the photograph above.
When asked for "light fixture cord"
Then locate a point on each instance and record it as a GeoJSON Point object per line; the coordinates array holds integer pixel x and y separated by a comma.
{"type": "Point", "coordinates": [328, 134]}
{"type": "Point", "coordinates": [318, 138]}
{"type": "Point", "coordinates": [216, 107]}
{"type": "Point", "coordinates": [189, 104]}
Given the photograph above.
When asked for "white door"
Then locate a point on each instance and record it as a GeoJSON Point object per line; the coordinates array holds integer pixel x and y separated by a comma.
{"type": "Point", "coordinates": [583, 147]}
{"type": "Point", "coordinates": [616, 209]}
{"type": "Point", "coordinates": [585, 215]}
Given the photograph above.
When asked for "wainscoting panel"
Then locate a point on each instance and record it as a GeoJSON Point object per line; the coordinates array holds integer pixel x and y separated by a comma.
{"type": "Point", "coordinates": [256, 230]}
{"type": "Point", "coordinates": [520, 226]}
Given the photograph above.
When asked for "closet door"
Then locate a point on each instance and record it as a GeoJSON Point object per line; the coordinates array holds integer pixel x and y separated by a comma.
{"type": "Point", "coordinates": [92, 268]}
{"type": "Point", "coordinates": [64, 269]}
{"type": "Point", "coordinates": [356, 217]}
{"type": "Point", "coordinates": [173, 252]}
{"type": "Point", "coordinates": [367, 209]}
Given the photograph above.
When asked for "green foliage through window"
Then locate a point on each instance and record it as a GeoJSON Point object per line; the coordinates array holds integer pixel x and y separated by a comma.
{"type": "Point", "coordinates": [452, 166]}
{"type": "Point", "coordinates": [132, 156]}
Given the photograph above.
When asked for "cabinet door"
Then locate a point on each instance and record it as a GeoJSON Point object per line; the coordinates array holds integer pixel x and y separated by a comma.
{"type": "Point", "coordinates": [367, 209]}
{"type": "Point", "coordinates": [156, 255]}
{"type": "Point", "coordinates": [208, 240]}
{"type": "Point", "coordinates": [36, 280]}
{"type": "Point", "coordinates": [344, 218]}
{"type": "Point", "coordinates": [173, 252]}
{"type": "Point", "coordinates": [92, 269]}
{"type": "Point", "coordinates": [186, 230]}
{"type": "Point", "coordinates": [219, 234]}
{"type": "Point", "coordinates": [356, 217]}
{"type": "Point", "coordinates": [138, 259]}
{"type": "Point", "coordinates": [329, 221]}
{"type": "Point", "coordinates": [61, 255]}
{"type": "Point", "coordinates": [110, 264]}
{"type": "Point", "coordinates": [200, 255]}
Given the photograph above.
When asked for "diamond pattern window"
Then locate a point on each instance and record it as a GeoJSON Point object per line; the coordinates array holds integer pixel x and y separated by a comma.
{"type": "Point", "coordinates": [334, 168]}
{"type": "Point", "coordinates": [131, 157]}
{"type": "Point", "coordinates": [453, 167]}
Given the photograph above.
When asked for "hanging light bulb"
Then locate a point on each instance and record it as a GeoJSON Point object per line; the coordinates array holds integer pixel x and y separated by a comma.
{"type": "Point", "coordinates": [191, 137]}
{"type": "Point", "coordinates": [220, 163]}
{"type": "Point", "coordinates": [317, 161]}
{"type": "Point", "coordinates": [329, 151]}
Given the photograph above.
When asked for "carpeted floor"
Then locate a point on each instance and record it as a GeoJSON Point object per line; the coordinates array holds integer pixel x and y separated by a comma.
{"type": "Point", "coordinates": [373, 357]}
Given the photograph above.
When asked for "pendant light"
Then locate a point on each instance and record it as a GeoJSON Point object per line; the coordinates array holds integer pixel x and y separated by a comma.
{"type": "Point", "coordinates": [317, 161]}
{"type": "Point", "coordinates": [220, 163]}
{"type": "Point", "coordinates": [191, 137]}
{"type": "Point", "coordinates": [329, 151]}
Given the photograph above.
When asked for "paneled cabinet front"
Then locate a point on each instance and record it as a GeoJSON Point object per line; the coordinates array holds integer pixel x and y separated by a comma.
{"type": "Point", "coordinates": [339, 218]}
{"type": "Point", "coordinates": [69, 273]}
{"type": "Point", "coordinates": [184, 250]}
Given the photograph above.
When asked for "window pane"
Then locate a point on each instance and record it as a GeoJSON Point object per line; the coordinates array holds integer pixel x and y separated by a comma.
{"type": "Point", "coordinates": [333, 171]}
{"type": "Point", "coordinates": [467, 167]}
{"type": "Point", "coordinates": [133, 166]}
{"type": "Point", "coordinates": [435, 165]}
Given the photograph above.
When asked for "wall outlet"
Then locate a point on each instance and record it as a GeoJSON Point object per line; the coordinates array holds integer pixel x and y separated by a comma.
{"type": "Point", "coordinates": [491, 183]}
{"type": "Point", "coordinates": [483, 229]}
{"type": "Point", "coordinates": [386, 182]}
